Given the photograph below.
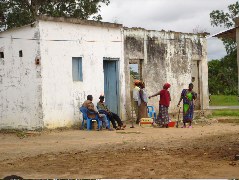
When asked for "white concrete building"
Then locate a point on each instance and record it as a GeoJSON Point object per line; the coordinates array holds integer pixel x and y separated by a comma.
{"type": "Point", "coordinates": [48, 68]}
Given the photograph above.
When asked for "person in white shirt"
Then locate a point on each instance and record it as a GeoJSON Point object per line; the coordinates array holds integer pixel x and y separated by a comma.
{"type": "Point", "coordinates": [136, 99]}
{"type": "Point", "coordinates": [142, 103]}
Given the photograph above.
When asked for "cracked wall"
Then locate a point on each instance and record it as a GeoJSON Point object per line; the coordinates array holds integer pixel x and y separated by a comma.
{"type": "Point", "coordinates": [20, 84]}
{"type": "Point", "coordinates": [168, 57]}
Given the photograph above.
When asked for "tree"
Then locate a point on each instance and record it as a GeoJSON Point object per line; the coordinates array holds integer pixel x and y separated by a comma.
{"type": "Point", "coordinates": [15, 13]}
{"type": "Point", "coordinates": [226, 19]}
{"type": "Point", "coordinates": [223, 75]}
{"type": "Point", "coordinates": [134, 74]}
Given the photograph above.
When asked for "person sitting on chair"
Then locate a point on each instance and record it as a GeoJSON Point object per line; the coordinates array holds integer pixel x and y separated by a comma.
{"type": "Point", "coordinates": [93, 112]}
{"type": "Point", "coordinates": [112, 116]}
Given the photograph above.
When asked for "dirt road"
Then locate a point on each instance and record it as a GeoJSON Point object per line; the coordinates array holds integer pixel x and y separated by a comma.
{"type": "Point", "coordinates": [205, 151]}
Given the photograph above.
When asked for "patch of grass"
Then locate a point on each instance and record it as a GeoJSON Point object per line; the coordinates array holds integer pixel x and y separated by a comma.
{"type": "Point", "coordinates": [226, 112]}
{"type": "Point", "coordinates": [223, 100]}
{"type": "Point", "coordinates": [229, 121]}
{"type": "Point", "coordinates": [19, 133]}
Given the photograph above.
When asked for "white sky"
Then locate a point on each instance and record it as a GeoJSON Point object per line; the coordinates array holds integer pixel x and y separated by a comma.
{"type": "Point", "coordinates": [175, 15]}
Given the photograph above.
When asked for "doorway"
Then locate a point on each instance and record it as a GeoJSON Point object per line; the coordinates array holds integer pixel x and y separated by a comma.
{"type": "Point", "coordinates": [111, 84]}
{"type": "Point", "coordinates": [196, 82]}
{"type": "Point", "coordinates": [135, 67]}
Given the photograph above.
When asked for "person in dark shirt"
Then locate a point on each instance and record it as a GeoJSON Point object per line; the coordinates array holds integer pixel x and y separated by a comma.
{"type": "Point", "coordinates": [112, 116]}
{"type": "Point", "coordinates": [93, 112]}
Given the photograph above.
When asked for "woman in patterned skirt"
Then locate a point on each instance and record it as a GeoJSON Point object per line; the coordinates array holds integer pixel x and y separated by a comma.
{"type": "Point", "coordinates": [188, 96]}
{"type": "Point", "coordinates": [163, 105]}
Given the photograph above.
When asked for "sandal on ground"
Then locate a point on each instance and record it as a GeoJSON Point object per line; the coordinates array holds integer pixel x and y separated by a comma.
{"type": "Point", "coordinates": [118, 128]}
{"type": "Point", "coordinates": [183, 127]}
{"type": "Point", "coordinates": [190, 127]}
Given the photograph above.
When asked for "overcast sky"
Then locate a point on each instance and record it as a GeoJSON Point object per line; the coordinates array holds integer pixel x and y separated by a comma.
{"type": "Point", "coordinates": [175, 15]}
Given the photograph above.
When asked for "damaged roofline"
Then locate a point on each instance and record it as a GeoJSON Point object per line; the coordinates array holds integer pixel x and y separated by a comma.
{"type": "Point", "coordinates": [79, 21]}
{"type": "Point", "coordinates": [203, 34]}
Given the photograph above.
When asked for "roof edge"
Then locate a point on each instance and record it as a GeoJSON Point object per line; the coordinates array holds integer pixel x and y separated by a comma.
{"type": "Point", "coordinates": [203, 34]}
{"type": "Point", "coordinates": [79, 21]}
{"type": "Point", "coordinates": [223, 33]}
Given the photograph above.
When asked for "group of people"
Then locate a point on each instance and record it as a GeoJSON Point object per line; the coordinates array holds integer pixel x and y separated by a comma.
{"type": "Point", "coordinates": [103, 113]}
{"type": "Point", "coordinates": [140, 103]}
{"type": "Point", "coordinates": [140, 106]}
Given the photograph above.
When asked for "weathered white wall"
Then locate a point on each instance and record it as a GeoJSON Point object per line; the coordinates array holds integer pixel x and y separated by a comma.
{"type": "Point", "coordinates": [167, 57]}
{"type": "Point", "coordinates": [20, 80]}
{"type": "Point", "coordinates": [61, 95]}
{"type": "Point", "coordinates": [204, 96]}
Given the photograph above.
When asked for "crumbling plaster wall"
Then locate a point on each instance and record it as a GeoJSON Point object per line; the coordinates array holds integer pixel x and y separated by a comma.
{"type": "Point", "coordinates": [20, 80]}
{"type": "Point", "coordinates": [167, 58]}
{"type": "Point", "coordinates": [61, 95]}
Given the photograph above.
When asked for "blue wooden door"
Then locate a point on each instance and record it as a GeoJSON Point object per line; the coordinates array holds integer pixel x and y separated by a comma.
{"type": "Point", "coordinates": [111, 84]}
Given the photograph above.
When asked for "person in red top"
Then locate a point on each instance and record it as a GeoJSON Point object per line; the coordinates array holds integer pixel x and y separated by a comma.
{"type": "Point", "coordinates": [164, 102]}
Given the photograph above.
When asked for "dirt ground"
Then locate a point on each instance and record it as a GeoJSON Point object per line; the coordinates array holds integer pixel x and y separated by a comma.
{"type": "Point", "coordinates": [205, 151]}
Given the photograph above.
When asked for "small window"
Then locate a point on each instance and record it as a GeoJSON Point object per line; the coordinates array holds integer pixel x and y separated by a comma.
{"type": "Point", "coordinates": [20, 53]}
{"type": "Point", "coordinates": [1, 54]}
{"type": "Point", "coordinates": [77, 69]}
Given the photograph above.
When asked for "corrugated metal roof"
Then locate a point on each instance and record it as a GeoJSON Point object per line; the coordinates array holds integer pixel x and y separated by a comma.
{"type": "Point", "coordinates": [227, 34]}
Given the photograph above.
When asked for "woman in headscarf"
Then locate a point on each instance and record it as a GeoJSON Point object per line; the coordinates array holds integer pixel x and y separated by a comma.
{"type": "Point", "coordinates": [142, 101]}
{"type": "Point", "coordinates": [163, 105]}
{"type": "Point", "coordinates": [188, 95]}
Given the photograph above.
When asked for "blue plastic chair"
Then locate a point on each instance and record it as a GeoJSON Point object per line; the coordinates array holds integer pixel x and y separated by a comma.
{"type": "Point", "coordinates": [88, 120]}
{"type": "Point", "coordinates": [151, 112]}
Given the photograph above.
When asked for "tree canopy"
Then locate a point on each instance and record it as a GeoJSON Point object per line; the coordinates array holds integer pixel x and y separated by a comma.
{"type": "Point", "coordinates": [15, 13]}
{"type": "Point", "coordinates": [223, 73]}
{"type": "Point", "coordinates": [226, 19]}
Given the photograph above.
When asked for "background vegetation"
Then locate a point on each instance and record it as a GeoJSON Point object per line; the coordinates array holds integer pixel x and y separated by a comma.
{"type": "Point", "coordinates": [223, 74]}
{"type": "Point", "coordinates": [15, 13]}
{"type": "Point", "coordinates": [223, 100]}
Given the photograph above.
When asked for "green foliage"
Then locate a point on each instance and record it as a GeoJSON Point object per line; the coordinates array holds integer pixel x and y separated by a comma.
{"type": "Point", "coordinates": [134, 74]}
{"type": "Point", "coordinates": [223, 100]}
{"type": "Point", "coordinates": [222, 75]}
{"type": "Point", "coordinates": [226, 112]}
{"type": "Point", "coordinates": [15, 13]}
{"type": "Point", "coordinates": [226, 19]}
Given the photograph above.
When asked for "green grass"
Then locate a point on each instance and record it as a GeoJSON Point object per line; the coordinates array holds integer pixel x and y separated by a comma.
{"type": "Point", "coordinates": [222, 100]}
{"type": "Point", "coordinates": [229, 121]}
{"type": "Point", "coordinates": [226, 112]}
